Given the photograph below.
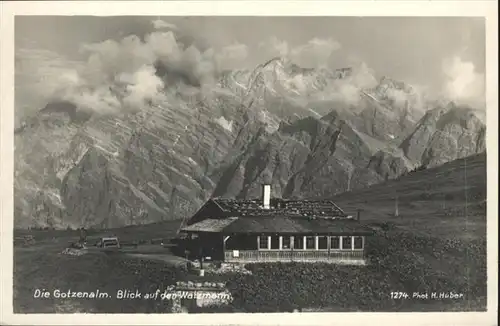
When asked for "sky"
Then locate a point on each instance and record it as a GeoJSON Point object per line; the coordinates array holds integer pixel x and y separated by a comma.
{"type": "Point", "coordinates": [443, 54]}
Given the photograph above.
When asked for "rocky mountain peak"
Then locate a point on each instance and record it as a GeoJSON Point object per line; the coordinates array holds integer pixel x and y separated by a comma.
{"type": "Point", "coordinates": [256, 126]}
{"type": "Point", "coordinates": [445, 134]}
{"type": "Point", "coordinates": [387, 82]}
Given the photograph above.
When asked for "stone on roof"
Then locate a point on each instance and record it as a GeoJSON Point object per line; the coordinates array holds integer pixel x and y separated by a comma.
{"type": "Point", "coordinates": [253, 207]}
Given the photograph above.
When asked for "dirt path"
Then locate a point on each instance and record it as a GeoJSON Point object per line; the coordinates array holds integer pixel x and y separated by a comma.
{"type": "Point", "coordinates": [167, 258]}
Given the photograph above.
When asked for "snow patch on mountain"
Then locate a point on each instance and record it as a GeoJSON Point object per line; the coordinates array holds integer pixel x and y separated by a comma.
{"type": "Point", "coordinates": [226, 124]}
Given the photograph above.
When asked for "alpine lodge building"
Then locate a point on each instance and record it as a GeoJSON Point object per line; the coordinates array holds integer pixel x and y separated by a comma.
{"type": "Point", "coordinates": [275, 230]}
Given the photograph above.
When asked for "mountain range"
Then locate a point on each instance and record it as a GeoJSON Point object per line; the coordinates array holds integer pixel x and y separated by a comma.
{"type": "Point", "coordinates": [308, 132]}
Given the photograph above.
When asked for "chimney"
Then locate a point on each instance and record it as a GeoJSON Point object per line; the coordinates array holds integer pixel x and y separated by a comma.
{"type": "Point", "coordinates": [266, 196]}
{"type": "Point", "coordinates": [358, 215]}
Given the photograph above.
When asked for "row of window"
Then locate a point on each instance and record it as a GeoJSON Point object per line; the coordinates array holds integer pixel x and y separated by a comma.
{"type": "Point", "coordinates": [310, 242]}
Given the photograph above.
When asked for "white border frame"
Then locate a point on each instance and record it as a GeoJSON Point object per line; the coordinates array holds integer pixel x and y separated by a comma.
{"type": "Point", "coordinates": [487, 9]}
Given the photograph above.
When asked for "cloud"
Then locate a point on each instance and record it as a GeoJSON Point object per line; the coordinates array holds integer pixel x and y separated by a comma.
{"type": "Point", "coordinates": [399, 97]}
{"type": "Point", "coordinates": [274, 48]}
{"type": "Point", "coordinates": [128, 73]}
{"type": "Point", "coordinates": [164, 46]}
{"type": "Point", "coordinates": [161, 24]}
{"type": "Point", "coordinates": [232, 56]}
{"type": "Point", "coordinates": [462, 83]}
{"type": "Point", "coordinates": [124, 74]}
{"type": "Point", "coordinates": [349, 89]}
{"type": "Point", "coordinates": [100, 99]}
{"type": "Point", "coordinates": [143, 85]}
{"type": "Point", "coordinates": [118, 74]}
{"type": "Point", "coordinates": [39, 74]}
{"type": "Point", "coordinates": [362, 76]}
{"type": "Point", "coordinates": [316, 52]}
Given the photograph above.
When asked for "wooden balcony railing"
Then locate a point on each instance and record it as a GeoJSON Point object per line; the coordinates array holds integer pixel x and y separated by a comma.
{"type": "Point", "coordinates": [293, 255]}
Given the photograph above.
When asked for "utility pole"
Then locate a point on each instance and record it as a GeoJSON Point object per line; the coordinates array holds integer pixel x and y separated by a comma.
{"type": "Point", "coordinates": [396, 208]}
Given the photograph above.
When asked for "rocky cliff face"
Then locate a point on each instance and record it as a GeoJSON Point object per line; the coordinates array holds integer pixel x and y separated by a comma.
{"type": "Point", "coordinates": [132, 168]}
{"type": "Point", "coordinates": [46, 148]}
{"type": "Point", "coordinates": [269, 125]}
{"type": "Point", "coordinates": [445, 134]}
{"type": "Point", "coordinates": [308, 158]}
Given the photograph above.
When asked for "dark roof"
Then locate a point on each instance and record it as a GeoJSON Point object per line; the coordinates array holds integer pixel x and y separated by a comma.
{"type": "Point", "coordinates": [210, 225]}
{"type": "Point", "coordinates": [253, 207]}
{"type": "Point", "coordinates": [280, 224]}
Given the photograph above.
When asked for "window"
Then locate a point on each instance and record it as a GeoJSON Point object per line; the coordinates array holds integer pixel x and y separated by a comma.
{"type": "Point", "coordinates": [322, 243]}
{"type": "Point", "coordinates": [241, 242]}
{"type": "Point", "coordinates": [358, 242]}
{"type": "Point", "coordinates": [347, 243]}
{"type": "Point", "coordinates": [275, 242]}
{"type": "Point", "coordinates": [298, 242]}
{"type": "Point", "coordinates": [310, 242]}
{"type": "Point", "coordinates": [335, 242]}
{"type": "Point", "coordinates": [286, 242]}
{"type": "Point", "coordinates": [263, 241]}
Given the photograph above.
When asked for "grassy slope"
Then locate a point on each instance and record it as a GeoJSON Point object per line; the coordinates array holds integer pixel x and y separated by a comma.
{"type": "Point", "coordinates": [434, 245]}
{"type": "Point", "coordinates": [447, 201]}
